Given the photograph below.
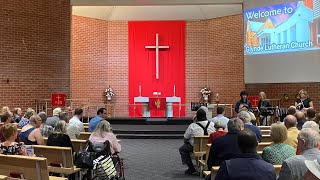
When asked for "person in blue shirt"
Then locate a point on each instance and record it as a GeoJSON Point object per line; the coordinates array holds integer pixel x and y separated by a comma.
{"type": "Point", "coordinates": [246, 118]}
{"type": "Point", "coordinates": [220, 116]}
{"type": "Point", "coordinates": [101, 115]}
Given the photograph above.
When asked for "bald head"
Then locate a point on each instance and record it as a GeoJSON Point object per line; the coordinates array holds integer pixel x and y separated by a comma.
{"type": "Point", "coordinates": [300, 116]}
{"type": "Point", "coordinates": [290, 121]}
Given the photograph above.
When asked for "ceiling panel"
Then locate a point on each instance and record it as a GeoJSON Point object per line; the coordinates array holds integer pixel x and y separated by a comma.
{"type": "Point", "coordinates": [182, 12]}
{"type": "Point", "coordinates": [149, 2]}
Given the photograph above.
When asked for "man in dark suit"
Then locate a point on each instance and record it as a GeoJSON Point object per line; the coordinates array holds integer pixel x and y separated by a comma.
{"type": "Point", "coordinates": [225, 147]}
{"type": "Point", "coordinates": [247, 165]}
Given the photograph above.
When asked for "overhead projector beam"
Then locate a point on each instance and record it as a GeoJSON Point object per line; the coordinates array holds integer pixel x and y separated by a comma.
{"type": "Point", "coordinates": [150, 2]}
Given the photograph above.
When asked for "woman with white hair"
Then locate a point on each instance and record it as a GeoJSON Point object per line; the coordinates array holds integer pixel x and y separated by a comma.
{"type": "Point", "coordinates": [219, 126]}
{"type": "Point", "coordinates": [103, 133]}
{"type": "Point", "coordinates": [312, 125]}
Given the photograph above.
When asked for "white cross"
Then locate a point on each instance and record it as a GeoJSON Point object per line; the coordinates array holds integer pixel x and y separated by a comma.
{"type": "Point", "coordinates": [157, 47]}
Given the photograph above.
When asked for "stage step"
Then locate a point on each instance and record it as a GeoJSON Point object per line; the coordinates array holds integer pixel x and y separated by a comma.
{"type": "Point", "coordinates": [181, 132]}
{"type": "Point", "coordinates": [150, 136]}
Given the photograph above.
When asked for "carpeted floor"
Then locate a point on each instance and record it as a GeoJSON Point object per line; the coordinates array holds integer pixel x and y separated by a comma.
{"type": "Point", "coordinates": [158, 159]}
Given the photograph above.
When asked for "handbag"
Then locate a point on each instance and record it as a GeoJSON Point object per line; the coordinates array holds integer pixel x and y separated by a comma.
{"type": "Point", "coordinates": [85, 159]}
{"type": "Point", "coordinates": [104, 168]}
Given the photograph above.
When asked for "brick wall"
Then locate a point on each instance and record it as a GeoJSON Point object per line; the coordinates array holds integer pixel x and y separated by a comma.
{"type": "Point", "coordinates": [277, 90]}
{"type": "Point", "coordinates": [34, 51]}
{"type": "Point", "coordinates": [210, 60]}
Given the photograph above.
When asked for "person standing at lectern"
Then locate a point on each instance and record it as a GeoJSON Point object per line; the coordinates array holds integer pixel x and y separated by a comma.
{"type": "Point", "coordinates": [201, 127]}
{"type": "Point", "coordinates": [304, 102]}
{"type": "Point", "coordinates": [244, 101]}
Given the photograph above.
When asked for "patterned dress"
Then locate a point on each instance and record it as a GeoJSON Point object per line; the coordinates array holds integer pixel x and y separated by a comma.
{"type": "Point", "coordinates": [277, 153]}
{"type": "Point", "coordinates": [11, 150]}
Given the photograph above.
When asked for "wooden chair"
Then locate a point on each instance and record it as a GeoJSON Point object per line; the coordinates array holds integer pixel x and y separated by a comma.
{"type": "Point", "coordinates": [277, 168]}
{"type": "Point", "coordinates": [57, 155]}
{"type": "Point", "coordinates": [264, 127]}
{"type": "Point", "coordinates": [32, 168]}
{"type": "Point", "coordinates": [84, 135]}
{"type": "Point", "coordinates": [262, 145]}
{"type": "Point", "coordinates": [266, 138]}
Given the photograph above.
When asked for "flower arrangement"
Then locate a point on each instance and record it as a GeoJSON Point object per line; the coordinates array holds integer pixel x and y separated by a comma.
{"type": "Point", "coordinates": [205, 91]}
{"type": "Point", "coordinates": [109, 93]}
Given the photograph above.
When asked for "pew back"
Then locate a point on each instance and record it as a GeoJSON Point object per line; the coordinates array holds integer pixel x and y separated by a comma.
{"type": "Point", "coordinates": [200, 144]}
{"type": "Point", "coordinates": [34, 168]}
{"type": "Point", "coordinates": [54, 154]}
{"type": "Point", "coordinates": [84, 135]}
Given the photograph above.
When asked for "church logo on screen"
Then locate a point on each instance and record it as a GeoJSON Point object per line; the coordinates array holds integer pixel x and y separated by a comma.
{"type": "Point", "coordinates": [282, 28]}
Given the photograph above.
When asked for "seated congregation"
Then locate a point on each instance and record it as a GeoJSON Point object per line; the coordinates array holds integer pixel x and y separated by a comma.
{"type": "Point", "coordinates": [237, 149]}
{"type": "Point", "coordinates": [55, 137]}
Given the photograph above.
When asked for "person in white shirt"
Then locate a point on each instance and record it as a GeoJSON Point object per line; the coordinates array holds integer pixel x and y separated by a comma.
{"type": "Point", "coordinates": [72, 130]}
{"type": "Point", "coordinates": [75, 120]}
{"type": "Point", "coordinates": [220, 116]}
{"type": "Point", "coordinates": [201, 127]}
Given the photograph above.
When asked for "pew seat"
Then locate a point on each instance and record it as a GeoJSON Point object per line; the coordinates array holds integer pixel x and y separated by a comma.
{"type": "Point", "coordinates": [57, 155]}
{"type": "Point", "coordinates": [33, 168]}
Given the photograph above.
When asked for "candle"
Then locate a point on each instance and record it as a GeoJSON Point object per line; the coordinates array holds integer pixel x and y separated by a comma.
{"type": "Point", "coordinates": [174, 90]}
{"type": "Point", "coordinates": [140, 90]}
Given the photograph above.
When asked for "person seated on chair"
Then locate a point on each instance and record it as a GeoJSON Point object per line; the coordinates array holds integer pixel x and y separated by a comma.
{"type": "Point", "coordinates": [247, 165]}
{"type": "Point", "coordinates": [225, 147]}
{"type": "Point", "coordinates": [246, 118]}
{"type": "Point", "coordinates": [278, 151]}
{"type": "Point", "coordinates": [220, 131]}
{"type": "Point", "coordinates": [201, 127]}
{"type": "Point", "coordinates": [103, 133]}
{"type": "Point", "coordinates": [6, 118]}
{"type": "Point", "coordinates": [220, 116]}
{"type": "Point", "coordinates": [311, 114]}
{"type": "Point", "coordinates": [10, 146]}
{"type": "Point", "coordinates": [291, 124]}
{"type": "Point", "coordinates": [101, 115]}
{"type": "Point", "coordinates": [263, 106]}
{"type": "Point", "coordinates": [244, 101]}
{"type": "Point", "coordinates": [294, 167]}
{"type": "Point", "coordinates": [303, 102]}
{"type": "Point", "coordinates": [301, 119]}
{"type": "Point", "coordinates": [52, 121]}
{"type": "Point", "coordinates": [30, 134]}
{"type": "Point", "coordinates": [59, 137]}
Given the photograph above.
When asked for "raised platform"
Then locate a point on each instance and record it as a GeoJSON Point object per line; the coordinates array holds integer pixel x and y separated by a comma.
{"type": "Point", "coordinates": [149, 128]}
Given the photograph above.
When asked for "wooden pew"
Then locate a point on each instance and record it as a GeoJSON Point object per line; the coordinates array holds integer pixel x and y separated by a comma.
{"type": "Point", "coordinates": [57, 155]}
{"type": "Point", "coordinates": [86, 128]}
{"type": "Point", "coordinates": [262, 145]}
{"type": "Point", "coordinates": [84, 135]}
{"type": "Point", "coordinates": [266, 138]}
{"type": "Point", "coordinates": [78, 145]}
{"type": "Point", "coordinates": [203, 162]}
{"type": "Point", "coordinates": [200, 146]}
{"type": "Point", "coordinates": [265, 132]}
{"type": "Point", "coordinates": [277, 169]}
{"type": "Point", "coordinates": [32, 168]}
{"type": "Point", "coordinates": [264, 127]}
{"type": "Point", "coordinates": [215, 169]}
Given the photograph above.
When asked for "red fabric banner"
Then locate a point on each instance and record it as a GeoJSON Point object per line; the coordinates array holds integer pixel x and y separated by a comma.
{"type": "Point", "coordinates": [157, 104]}
{"type": "Point", "coordinates": [254, 100]}
{"type": "Point", "coordinates": [142, 63]}
{"type": "Point", "coordinates": [58, 99]}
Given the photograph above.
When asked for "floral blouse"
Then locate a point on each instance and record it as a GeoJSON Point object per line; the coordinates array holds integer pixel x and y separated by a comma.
{"type": "Point", "coordinates": [11, 150]}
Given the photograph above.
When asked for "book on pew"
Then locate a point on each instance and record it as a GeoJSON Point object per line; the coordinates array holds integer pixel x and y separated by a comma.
{"type": "Point", "coordinates": [29, 150]}
{"type": "Point", "coordinates": [16, 175]}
